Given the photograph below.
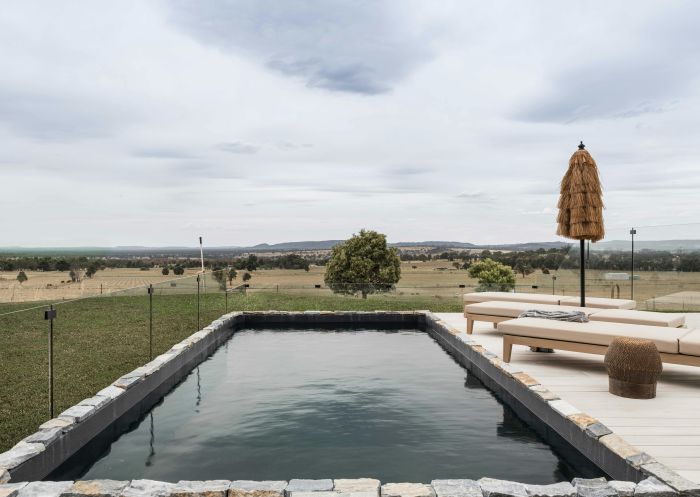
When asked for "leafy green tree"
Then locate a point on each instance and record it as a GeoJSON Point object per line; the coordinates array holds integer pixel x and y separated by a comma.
{"type": "Point", "coordinates": [363, 264]}
{"type": "Point", "coordinates": [179, 270]}
{"type": "Point", "coordinates": [247, 276]}
{"type": "Point", "coordinates": [492, 275]}
{"type": "Point", "coordinates": [62, 265]}
{"type": "Point", "coordinates": [165, 271]}
{"type": "Point", "coordinates": [232, 275]}
{"type": "Point", "coordinates": [22, 277]}
{"type": "Point", "coordinates": [523, 268]}
{"type": "Point", "coordinates": [92, 269]}
{"type": "Point", "coordinates": [220, 277]}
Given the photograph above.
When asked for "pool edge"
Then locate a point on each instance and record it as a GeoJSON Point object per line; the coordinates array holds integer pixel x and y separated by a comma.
{"type": "Point", "coordinates": [39, 454]}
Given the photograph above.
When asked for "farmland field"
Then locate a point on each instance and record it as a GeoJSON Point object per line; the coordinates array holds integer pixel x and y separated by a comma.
{"type": "Point", "coordinates": [437, 279]}
{"type": "Point", "coordinates": [100, 337]}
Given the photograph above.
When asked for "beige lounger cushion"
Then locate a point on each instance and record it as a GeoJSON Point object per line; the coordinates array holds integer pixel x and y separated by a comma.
{"type": "Point", "coordinates": [594, 332]}
{"type": "Point", "coordinates": [600, 303]}
{"type": "Point", "coordinates": [511, 297]}
{"type": "Point", "coordinates": [671, 320]}
{"type": "Point", "coordinates": [514, 309]}
{"type": "Point", "coordinates": [690, 343]}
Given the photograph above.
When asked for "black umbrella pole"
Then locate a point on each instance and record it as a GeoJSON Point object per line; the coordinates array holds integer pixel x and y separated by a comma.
{"type": "Point", "coordinates": [583, 276]}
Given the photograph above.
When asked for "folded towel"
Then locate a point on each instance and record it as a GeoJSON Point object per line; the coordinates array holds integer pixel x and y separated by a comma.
{"type": "Point", "coordinates": [572, 316]}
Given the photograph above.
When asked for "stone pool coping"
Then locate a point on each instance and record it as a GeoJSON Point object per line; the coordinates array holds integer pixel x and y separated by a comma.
{"type": "Point", "coordinates": [36, 456]}
{"type": "Point", "coordinates": [359, 487]}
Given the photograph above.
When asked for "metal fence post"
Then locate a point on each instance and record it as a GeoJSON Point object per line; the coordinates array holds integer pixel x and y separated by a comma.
{"type": "Point", "coordinates": [150, 322]}
{"type": "Point", "coordinates": [50, 315]}
{"type": "Point", "coordinates": [198, 284]}
{"type": "Point", "coordinates": [632, 232]}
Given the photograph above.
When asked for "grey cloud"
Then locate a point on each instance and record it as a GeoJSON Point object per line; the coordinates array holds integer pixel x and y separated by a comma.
{"type": "Point", "coordinates": [620, 84]}
{"type": "Point", "coordinates": [161, 153]}
{"type": "Point", "coordinates": [55, 117]}
{"type": "Point", "coordinates": [361, 47]}
{"type": "Point", "coordinates": [477, 194]}
{"type": "Point", "coordinates": [286, 145]}
{"type": "Point", "coordinates": [408, 170]}
{"type": "Point", "coordinates": [238, 148]}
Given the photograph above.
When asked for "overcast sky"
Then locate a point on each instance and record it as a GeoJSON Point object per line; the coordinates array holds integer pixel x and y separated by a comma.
{"type": "Point", "coordinates": [150, 123]}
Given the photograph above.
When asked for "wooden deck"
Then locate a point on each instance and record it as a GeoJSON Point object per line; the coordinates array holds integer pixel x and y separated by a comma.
{"type": "Point", "coordinates": [667, 427]}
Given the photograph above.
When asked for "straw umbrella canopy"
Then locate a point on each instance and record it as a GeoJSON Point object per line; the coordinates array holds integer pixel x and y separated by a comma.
{"type": "Point", "coordinates": [581, 205]}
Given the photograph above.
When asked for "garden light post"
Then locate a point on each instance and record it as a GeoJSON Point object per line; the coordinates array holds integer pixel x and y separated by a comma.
{"type": "Point", "coordinates": [150, 322]}
{"type": "Point", "coordinates": [198, 328]}
{"type": "Point", "coordinates": [632, 233]}
{"type": "Point", "coordinates": [50, 315]}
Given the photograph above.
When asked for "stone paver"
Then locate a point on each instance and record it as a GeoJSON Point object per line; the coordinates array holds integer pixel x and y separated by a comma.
{"type": "Point", "coordinates": [490, 487]}
{"type": "Point", "coordinates": [300, 485]}
{"type": "Point", "coordinates": [561, 489]}
{"type": "Point", "coordinates": [356, 485]}
{"type": "Point", "coordinates": [623, 488]}
{"type": "Point", "coordinates": [11, 489]}
{"type": "Point", "coordinates": [64, 423]}
{"type": "Point", "coordinates": [249, 488]}
{"type": "Point", "coordinates": [96, 488]}
{"type": "Point", "coordinates": [456, 488]}
{"type": "Point", "coordinates": [44, 488]}
{"type": "Point", "coordinates": [651, 487]}
{"type": "Point", "coordinates": [19, 453]}
{"type": "Point", "coordinates": [148, 488]}
{"type": "Point", "coordinates": [210, 488]}
{"type": "Point", "coordinates": [44, 437]}
{"type": "Point", "coordinates": [407, 490]}
{"type": "Point", "coordinates": [78, 413]}
{"type": "Point", "coordinates": [593, 487]}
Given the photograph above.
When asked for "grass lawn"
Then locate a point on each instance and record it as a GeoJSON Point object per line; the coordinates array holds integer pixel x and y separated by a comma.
{"type": "Point", "coordinates": [96, 340]}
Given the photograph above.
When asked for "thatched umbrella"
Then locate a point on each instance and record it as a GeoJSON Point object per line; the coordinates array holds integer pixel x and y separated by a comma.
{"type": "Point", "coordinates": [581, 205]}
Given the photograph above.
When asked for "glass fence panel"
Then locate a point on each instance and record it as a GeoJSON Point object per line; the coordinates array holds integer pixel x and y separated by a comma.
{"type": "Point", "coordinates": [666, 271]}
{"type": "Point", "coordinates": [174, 312]}
{"type": "Point", "coordinates": [97, 340]}
{"type": "Point", "coordinates": [24, 380]}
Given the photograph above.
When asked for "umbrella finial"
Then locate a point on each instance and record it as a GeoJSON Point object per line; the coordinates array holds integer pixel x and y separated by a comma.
{"type": "Point", "coordinates": [581, 146]}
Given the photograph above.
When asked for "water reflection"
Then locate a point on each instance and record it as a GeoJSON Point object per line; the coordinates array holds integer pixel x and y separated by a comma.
{"type": "Point", "coordinates": [318, 404]}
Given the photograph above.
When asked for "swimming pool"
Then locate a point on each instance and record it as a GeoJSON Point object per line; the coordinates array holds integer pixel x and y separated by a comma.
{"type": "Point", "coordinates": [317, 403]}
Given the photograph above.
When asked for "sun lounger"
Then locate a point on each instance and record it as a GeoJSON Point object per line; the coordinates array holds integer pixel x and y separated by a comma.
{"type": "Point", "coordinates": [668, 319]}
{"type": "Point", "coordinates": [675, 345]}
{"type": "Point", "coordinates": [539, 298]}
{"type": "Point", "coordinates": [535, 298]}
{"type": "Point", "coordinates": [497, 311]}
{"type": "Point", "coordinates": [600, 302]}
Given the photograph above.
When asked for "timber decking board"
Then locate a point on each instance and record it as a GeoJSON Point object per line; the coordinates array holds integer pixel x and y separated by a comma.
{"type": "Point", "coordinates": [667, 427]}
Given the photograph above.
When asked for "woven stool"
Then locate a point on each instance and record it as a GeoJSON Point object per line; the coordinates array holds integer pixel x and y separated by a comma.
{"type": "Point", "coordinates": [633, 367]}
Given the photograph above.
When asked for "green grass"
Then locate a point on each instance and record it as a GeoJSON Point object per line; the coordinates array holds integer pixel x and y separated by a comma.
{"type": "Point", "coordinates": [96, 340]}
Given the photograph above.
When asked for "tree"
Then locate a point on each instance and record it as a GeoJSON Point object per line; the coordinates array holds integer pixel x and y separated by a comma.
{"type": "Point", "coordinates": [523, 268]}
{"type": "Point", "coordinates": [92, 269]}
{"type": "Point", "coordinates": [492, 275]}
{"type": "Point", "coordinates": [232, 275]}
{"type": "Point", "coordinates": [363, 264]}
{"type": "Point", "coordinates": [179, 270]}
{"type": "Point", "coordinates": [74, 275]}
{"type": "Point", "coordinates": [165, 271]}
{"type": "Point", "coordinates": [21, 277]}
{"type": "Point", "coordinates": [62, 265]}
{"type": "Point", "coordinates": [246, 276]}
{"type": "Point", "coordinates": [220, 277]}
{"type": "Point", "coordinates": [456, 265]}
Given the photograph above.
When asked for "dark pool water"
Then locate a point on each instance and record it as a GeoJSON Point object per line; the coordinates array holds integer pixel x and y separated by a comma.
{"type": "Point", "coordinates": [275, 404]}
